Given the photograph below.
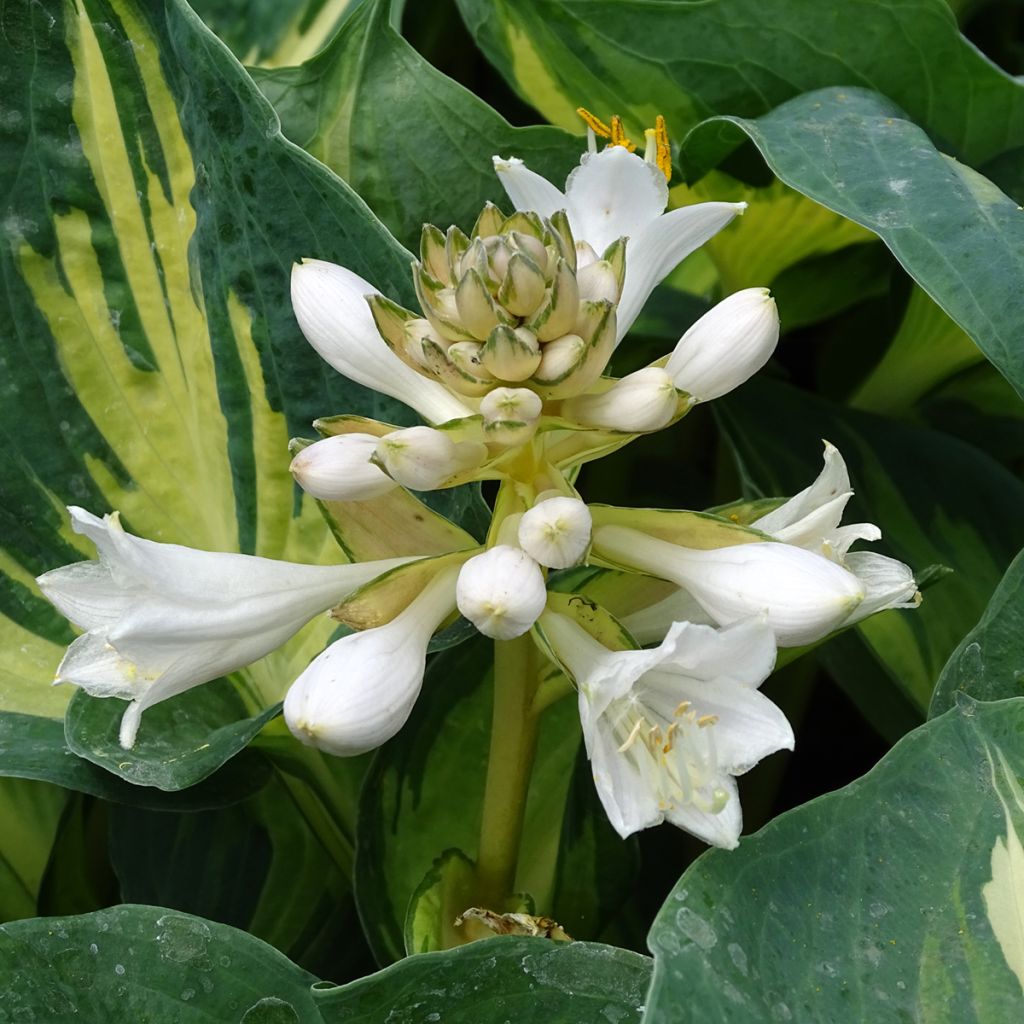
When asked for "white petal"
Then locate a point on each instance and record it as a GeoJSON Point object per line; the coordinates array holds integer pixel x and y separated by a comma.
{"type": "Point", "coordinates": [743, 653]}
{"type": "Point", "coordinates": [816, 529]}
{"type": "Point", "coordinates": [93, 664]}
{"type": "Point", "coordinates": [721, 829]}
{"type": "Point", "coordinates": [527, 189]}
{"type": "Point", "coordinates": [832, 482]}
{"type": "Point", "coordinates": [650, 625]}
{"type": "Point", "coordinates": [657, 249]}
{"type": "Point", "coordinates": [888, 582]}
{"type": "Point", "coordinates": [85, 593]}
{"type": "Point", "coordinates": [613, 194]}
{"type": "Point", "coordinates": [629, 804]}
{"type": "Point", "coordinates": [330, 305]}
{"type": "Point", "coordinates": [844, 536]}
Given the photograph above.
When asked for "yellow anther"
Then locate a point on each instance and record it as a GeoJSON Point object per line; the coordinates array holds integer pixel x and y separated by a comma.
{"type": "Point", "coordinates": [681, 709]}
{"type": "Point", "coordinates": [706, 720]}
{"type": "Point", "coordinates": [664, 150]}
{"type": "Point", "coordinates": [654, 738]}
{"type": "Point", "coordinates": [619, 136]}
{"type": "Point", "coordinates": [595, 124]}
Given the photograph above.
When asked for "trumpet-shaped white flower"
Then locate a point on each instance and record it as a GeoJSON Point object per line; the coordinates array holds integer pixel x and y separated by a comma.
{"type": "Point", "coordinates": [615, 194]}
{"type": "Point", "coordinates": [811, 520]}
{"type": "Point", "coordinates": [556, 532]}
{"type": "Point", "coordinates": [339, 469]}
{"type": "Point", "coordinates": [667, 729]}
{"type": "Point", "coordinates": [638, 403]}
{"type": "Point", "coordinates": [161, 618]}
{"type": "Point", "coordinates": [802, 596]}
{"type": "Point", "coordinates": [358, 693]}
{"type": "Point", "coordinates": [424, 459]}
{"type": "Point", "coordinates": [726, 346]}
{"type": "Point", "coordinates": [501, 591]}
{"type": "Point", "coordinates": [330, 306]}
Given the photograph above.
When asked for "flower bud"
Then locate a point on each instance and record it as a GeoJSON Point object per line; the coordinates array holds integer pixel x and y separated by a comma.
{"type": "Point", "coordinates": [511, 354]}
{"type": "Point", "coordinates": [358, 693]}
{"type": "Point", "coordinates": [639, 403]}
{"type": "Point", "coordinates": [728, 344]}
{"type": "Point", "coordinates": [489, 222]}
{"type": "Point", "coordinates": [510, 415]}
{"type": "Point", "coordinates": [477, 310]}
{"type": "Point", "coordinates": [522, 289]}
{"type": "Point", "coordinates": [556, 532]}
{"type": "Point", "coordinates": [501, 591]}
{"type": "Point", "coordinates": [433, 255]}
{"type": "Point", "coordinates": [598, 282]}
{"type": "Point", "coordinates": [803, 596]}
{"type": "Point", "coordinates": [557, 313]}
{"type": "Point", "coordinates": [559, 358]}
{"type": "Point", "coordinates": [423, 459]}
{"type": "Point", "coordinates": [518, 404]}
{"type": "Point", "coordinates": [339, 469]}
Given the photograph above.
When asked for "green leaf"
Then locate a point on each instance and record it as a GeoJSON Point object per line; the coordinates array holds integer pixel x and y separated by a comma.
{"type": "Point", "coordinates": [530, 981]}
{"type": "Point", "coordinates": [888, 901]}
{"type": "Point", "coordinates": [928, 348]}
{"type": "Point", "coordinates": [690, 60]}
{"type": "Point", "coordinates": [151, 357]}
{"type": "Point", "coordinates": [414, 144]}
{"type": "Point", "coordinates": [30, 814]}
{"type": "Point", "coordinates": [185, 739]}
{"type": "Point", "coordinates": [987, 664]}
{"type": "Point", "coordinates": [424, 791]}
{"type": "Point", "coordinates": [779, 228]}
{"type": "Point", "coordinates": [270, 34]}
{"type": "Point", "coordinates": [260, 865]}
{"type": "Point", "coordinates": [150, 964]}
{"type": "Point", "coordinates": [954, 232]}
{"type": "Point", "coordinates": [34, 747]}
{"type": "Point", "coordinates": [936, 500]}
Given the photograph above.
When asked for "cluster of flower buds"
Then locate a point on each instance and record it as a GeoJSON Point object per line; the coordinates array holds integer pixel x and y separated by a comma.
{"type": "Point", "coordinates": [516, 303]}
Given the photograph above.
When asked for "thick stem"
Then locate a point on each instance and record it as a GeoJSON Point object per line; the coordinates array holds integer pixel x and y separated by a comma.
{"type": "Point", "coordinates": [509, 764]}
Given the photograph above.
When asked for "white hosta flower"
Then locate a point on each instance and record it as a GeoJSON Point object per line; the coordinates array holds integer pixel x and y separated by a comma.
{"type": "Point", "coordinates": [330, 306]}
{"type": "Point", "coordinates": [161, 618]}
{"type": "Point", "coordinates": [802, 596]}
{"type": "Point", "coordinates": [501, 591]}
{"type": "Point", "coordinates": [641, 402]}
{"type": "Point", "coordinates": [424, 459]}
{"type": "Point", "coordinates": [726, 346]}
{"type": "Point", "coordinates": [339, 469]}
{"type": "Point", "coordinates": [667, 729]}
{"type": "Point", "coordinates": [615, 194]}
{"type": "Point", "coordinates": [358, 693]}
{"type": "Point", "coordinates": [811, 520]}
{"type": "Point", "coordinates": [556, 532]}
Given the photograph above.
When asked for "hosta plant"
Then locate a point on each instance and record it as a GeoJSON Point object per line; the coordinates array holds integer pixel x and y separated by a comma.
{"type": "Point", "coordinates": [432, 524]}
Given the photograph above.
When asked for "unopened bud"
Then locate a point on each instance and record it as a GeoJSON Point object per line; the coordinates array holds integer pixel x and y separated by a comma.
{"type": "Point", "coordinates": [489, 222]}
{"type": "Point", "coordinates": [501, 591]}
{"type": "Point", "coordinates": [510, 404]}
{"type": "Point", "coordinates": [559, 358]}
{"type": "Point", "coordinates": [511, 354]}
{"type": "Point", "coordinates": [433, 255]}
{"type": "Point", "coordinates": [557, 313]}
{"type": "Point", "coordinates": [477, 310]}
{"type": "Point", "coordinates": [423, 458]}
{"type": "Point", "coordinates": [642, 402]}
{"type": "Point", "coordinates": [339, 469]}
{"type": "Point", "coordinates": [556, 532]}
{"type": "Point", "coordinates": [598, 282]}
{"type": "Point", "coordinates": [510, 415]}
{"type": "Point", "coordinates": [522, 289]}
{"type": "Point", "coordinates": [726, 346]}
